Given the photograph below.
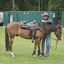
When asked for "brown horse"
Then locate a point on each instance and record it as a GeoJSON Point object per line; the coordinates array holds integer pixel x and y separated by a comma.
{"type": "Point", "coordinates": [13, 29]}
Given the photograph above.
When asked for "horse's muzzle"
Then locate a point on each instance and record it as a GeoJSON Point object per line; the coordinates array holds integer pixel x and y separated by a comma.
{"type": "Point", "coordinates": [60, 38]}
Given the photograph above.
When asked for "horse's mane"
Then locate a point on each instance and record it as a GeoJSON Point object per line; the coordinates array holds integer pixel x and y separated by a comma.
{"type": "Point", "coordinates": [47, 26]}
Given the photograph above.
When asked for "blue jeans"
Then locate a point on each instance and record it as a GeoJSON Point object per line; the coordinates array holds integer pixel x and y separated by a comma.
{"type": "Point", "coordinates": [47, 37]}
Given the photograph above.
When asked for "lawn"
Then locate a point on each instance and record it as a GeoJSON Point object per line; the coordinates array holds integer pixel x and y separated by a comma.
{"type": "Point", "coordinates": [23, 49]}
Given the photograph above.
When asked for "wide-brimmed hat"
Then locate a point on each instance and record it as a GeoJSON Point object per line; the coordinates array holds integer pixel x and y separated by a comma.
{"type": "Point", "coordinates": [45, 14]}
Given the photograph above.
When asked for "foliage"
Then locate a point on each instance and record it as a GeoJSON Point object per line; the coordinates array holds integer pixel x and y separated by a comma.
{"type": "Point", "coordinates": [16, 8]}
{"type": "Point", "coordinates": [7, 6]}
{"type": "Point", "coordinates": [56, 5]}
{"type": "Point", "coordinates": [31, 5]}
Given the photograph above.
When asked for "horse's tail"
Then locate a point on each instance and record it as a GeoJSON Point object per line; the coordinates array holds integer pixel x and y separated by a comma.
{"type": "Point", "coordinates": [6, 39]}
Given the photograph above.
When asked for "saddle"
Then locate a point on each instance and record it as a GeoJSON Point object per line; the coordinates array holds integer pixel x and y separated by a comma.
{"type": "Point", "coordinates": [33, 26]}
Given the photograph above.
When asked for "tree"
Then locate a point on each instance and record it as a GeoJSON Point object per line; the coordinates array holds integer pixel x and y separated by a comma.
{"type": "Point", "coordinates": [31, 5]}
{"type": "Point", "coordinates": [7, 6]}
{"type": "Point", "coordinates": [16, 8]}
{"type": "Point", "coordinates": [56, 5]}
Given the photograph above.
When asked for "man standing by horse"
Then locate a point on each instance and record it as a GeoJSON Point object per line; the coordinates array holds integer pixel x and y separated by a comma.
{"type": "Point", "coordinates": [47, 36]}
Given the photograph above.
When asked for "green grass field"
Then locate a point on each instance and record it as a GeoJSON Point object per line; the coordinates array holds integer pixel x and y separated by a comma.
{"type": "Point", "coordinates": [23, 48]}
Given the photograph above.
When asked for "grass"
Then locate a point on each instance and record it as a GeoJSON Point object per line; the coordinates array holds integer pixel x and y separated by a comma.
{"type": "Point", "coordinates": [23, 49]}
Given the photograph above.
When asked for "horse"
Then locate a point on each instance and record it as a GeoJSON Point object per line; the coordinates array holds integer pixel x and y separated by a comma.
{"type": "Point", "coordinates": [14, 28]}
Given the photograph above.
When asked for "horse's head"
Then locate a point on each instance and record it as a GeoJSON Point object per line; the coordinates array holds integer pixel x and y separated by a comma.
{"type": "Point", "coordinates": [58, 33]}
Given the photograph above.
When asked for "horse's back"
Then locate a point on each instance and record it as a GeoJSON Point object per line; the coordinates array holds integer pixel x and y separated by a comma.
{"type": "Point", "coordinates": [13, 24]}
{"type": "Point", "coordinates": [12, 28]}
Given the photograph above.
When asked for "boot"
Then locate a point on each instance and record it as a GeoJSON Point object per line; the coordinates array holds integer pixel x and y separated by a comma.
{"type": "Point", "coordinates": [47, 54]}
{"type": "Point", "coordinates": [42, 53]}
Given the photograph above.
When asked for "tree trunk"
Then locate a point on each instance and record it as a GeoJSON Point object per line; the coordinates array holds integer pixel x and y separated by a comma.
{"type": "Point", "coordinates": [13, 4]}
{"type": "Point", "coordinates": [45, 5]}
{"type": "Point", "coordinates": [39, 5]}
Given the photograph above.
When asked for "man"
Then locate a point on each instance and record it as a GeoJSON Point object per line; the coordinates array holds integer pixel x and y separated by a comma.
{"type": "Point", "coordinates": [47, 36]}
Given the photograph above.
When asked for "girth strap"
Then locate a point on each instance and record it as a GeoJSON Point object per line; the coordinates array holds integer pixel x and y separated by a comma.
{"type": "Point", "coordinates": [32, 33]}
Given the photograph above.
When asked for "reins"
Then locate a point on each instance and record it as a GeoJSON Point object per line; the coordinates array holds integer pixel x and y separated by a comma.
{"type": "Point", "coordinates": [56, 43]}
{"type": "Point", "coordinates": [42, 31]}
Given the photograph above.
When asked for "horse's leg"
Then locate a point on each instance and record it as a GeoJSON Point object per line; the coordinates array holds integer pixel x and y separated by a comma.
{"type": "Point", "coordinates": [10, 47]}
{"type": "Point", "coordinates": [39, 49]}
{"type": "Point", "coordinates": [34, 52]}
{"type": "Point", "coordinates": [35, 46]}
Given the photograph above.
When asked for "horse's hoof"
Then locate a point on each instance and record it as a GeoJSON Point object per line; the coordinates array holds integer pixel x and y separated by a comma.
{"type": "Point", "coordinates": [40, 55]}
{"type": "Point", "coordinates": [34, 56]}
{"type": "Point", "coordinates": [13, 56]}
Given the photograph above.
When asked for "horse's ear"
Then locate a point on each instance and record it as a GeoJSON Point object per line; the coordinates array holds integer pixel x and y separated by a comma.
{"type": "Point", "coordinates": [59, 26]}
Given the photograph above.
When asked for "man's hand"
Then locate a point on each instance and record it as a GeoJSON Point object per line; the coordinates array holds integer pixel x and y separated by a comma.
{"type": "Point", "coordinates": [43, 21]}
